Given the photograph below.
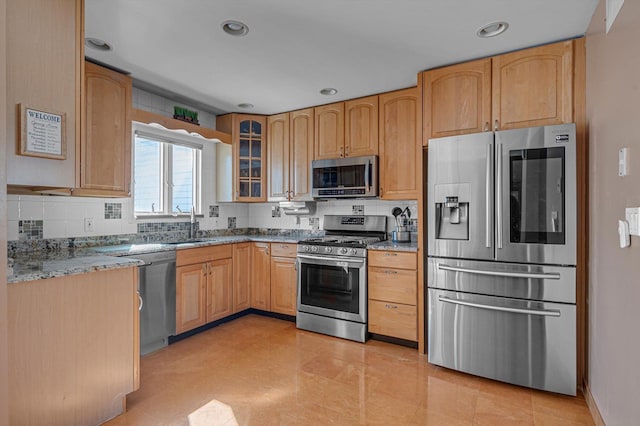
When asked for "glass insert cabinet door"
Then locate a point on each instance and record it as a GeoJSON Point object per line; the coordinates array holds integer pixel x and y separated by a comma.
{"type": "Point", "coordinates": [250, 164]}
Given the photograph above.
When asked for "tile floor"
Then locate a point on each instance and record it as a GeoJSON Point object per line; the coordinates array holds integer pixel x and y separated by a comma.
{"type": "Point", "coordinates": [270, 373]}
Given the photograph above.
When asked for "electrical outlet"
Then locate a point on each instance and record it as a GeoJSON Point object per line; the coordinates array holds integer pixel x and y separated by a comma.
{"type": "Point", "coordinates": [88, 224]}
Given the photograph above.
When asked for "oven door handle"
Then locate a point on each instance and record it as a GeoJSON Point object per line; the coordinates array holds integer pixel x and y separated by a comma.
{"type": "Point", "coordinates": [541, 312]}
{"type": "Point", "coordinates": [332, 259]}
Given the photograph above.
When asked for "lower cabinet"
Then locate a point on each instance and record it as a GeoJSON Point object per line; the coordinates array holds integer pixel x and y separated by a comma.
{"type": "Point", "coordinates": [220, 289]}
{"type": "Point", "coordinates": [191, 297]}
{"type": "Point", "coordinates": [260, 276]}
{"type": "Point", "coordinates": [204, 286]}
{"type": "Point", "coordinates": [283, 278]}
{"type": "Point", "coordinates": [393, 290]}
{"type": "Point", "coordinates": [73, 347]}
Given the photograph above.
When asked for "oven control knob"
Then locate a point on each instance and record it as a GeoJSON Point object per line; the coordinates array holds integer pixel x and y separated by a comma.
{"type": "Point", "coordinates": [314, 249]}
{"type": "Point", "coordinates": [343, 250]}
{"type": "Point", "coordinates": [328, 249]}
{"type": "Point", "coordinates": [354, 251]}
{"type": "Point", "coordinates": [306, 248]}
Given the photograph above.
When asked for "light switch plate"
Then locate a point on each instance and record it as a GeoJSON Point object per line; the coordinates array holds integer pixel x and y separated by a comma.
{"type": "Point", "coordinates": [632, 216]}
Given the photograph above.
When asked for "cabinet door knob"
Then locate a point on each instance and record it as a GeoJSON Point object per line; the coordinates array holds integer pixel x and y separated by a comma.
{"type": "Point", "coordinates": [486, 126]}
{"type": "Point", "coordinates": [495, 125]}
{"type": "Point", "coordinates": [341, 152]}
{"type": "Point", "coordinates": [346, 151]}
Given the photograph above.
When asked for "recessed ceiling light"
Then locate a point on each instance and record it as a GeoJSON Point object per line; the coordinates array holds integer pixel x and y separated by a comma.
{"type": "Point", "coordinates": [97, 44]}
{"type": "Point", "coordinates": [493, 29]}
{"type": "Point", "coordinates": [328, 91]}
{"type": "Point", "coordinates": [235, 28]}
{"type": "Point", "coordinates": [245, 105]}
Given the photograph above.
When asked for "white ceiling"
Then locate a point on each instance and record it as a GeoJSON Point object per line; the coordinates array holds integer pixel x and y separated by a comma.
{"type": "Point", "coordinates": [294, 48]}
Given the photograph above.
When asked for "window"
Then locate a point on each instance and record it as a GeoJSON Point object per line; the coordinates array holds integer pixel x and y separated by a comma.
{"type": "Point", "coordinates": [166, 172]}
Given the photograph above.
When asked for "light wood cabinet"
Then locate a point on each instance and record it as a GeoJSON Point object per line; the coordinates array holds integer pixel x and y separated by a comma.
{"type": "Point", "coordinates": [260, 276]}
{"type": "Point", "coordinates": [346, 129]}
{"type": "Point", "coordinates": [248, 134]}
{"type": "Point", "coordinates": [329, 131]}
{"type": "Point", "coordinates": [73, 346]}
{"type": "Point", "coordinates": [530, 87]}
{"type": "Point", "coordinates": [191, 297]}
{"type": "Point", "coordinates": [105, 143]}
{"type": "Point", "coordinates": [219, 289]}
{"type": "Point", "coordinates": [361, 127]}
{"type": "Point", "coordinates": [290, 145]}
{"type": "Point", "coordinates": [278, 142]}
{"type": "Point", "coordinates": [400, 156]}
{"type": "Point", "coordinates": [393, 294]}
{"type": "Point", "coordinates": [457, 99]}
{"type": "Point", "coordinates": [533, 87]}
{"type": "Point", "coordinates": [204, 286]}
{"type": "Point", "coordinates": [284, 278]}
{"type": "Point", "coordinates": [283, 285]}
{"type": "Point", "coordinates": [241, 276]}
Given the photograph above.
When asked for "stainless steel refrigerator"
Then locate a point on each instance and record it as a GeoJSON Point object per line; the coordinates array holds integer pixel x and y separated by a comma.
{"type": "Point", "coordinates": [501, 276]}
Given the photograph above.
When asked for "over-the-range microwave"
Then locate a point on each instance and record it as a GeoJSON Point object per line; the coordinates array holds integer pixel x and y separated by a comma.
{"type": "Point", "coordinates": [351, 177]}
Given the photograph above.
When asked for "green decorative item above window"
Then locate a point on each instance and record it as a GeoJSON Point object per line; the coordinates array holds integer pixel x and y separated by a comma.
{"type": "Point", "coordinates": [183, 114]}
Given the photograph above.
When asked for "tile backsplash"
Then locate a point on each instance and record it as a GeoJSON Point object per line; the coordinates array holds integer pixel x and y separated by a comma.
{"type": "Point", "coordinates": [63, 217]}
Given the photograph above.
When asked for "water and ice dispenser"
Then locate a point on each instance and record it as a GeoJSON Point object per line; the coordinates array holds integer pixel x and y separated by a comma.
{"type": "Point", "coordinates": [452, 211]}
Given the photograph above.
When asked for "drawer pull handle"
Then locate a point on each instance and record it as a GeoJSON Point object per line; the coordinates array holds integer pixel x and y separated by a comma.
{"type": "Point", "coordinates": [391, 254]}
{"type": "Point", "coordinates": [391, 306]}
{"type": "Point", "coordinates": [391, 272]}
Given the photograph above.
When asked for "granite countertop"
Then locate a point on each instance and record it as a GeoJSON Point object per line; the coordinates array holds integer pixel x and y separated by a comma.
{"type": "Point", "coordinates": [64, 264]}
{"type": "Point", "coordinates": [389, 245]}
{"type": "Point", "coordinates": [39, 265]}
{"type": "Point", "coordinates": [43, 265]}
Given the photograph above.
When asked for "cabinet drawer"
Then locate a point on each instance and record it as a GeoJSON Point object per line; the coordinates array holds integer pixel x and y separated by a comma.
{"type": "Point", "coordinates": [393, 259]}
{"type": "Point", "coordinates": [203, 254]}
{"type": "Point", "coordinates": [393, 285]}
{"type": "Point", "coordinates": [284, 249]}
{"type": "Point", "coordinates": [393, 319]}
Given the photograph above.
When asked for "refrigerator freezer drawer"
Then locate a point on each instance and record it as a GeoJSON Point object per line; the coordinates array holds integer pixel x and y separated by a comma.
{"type": "Point", "coordinates": [522, 342]}
{"type": "Point", "coordinates": [533, 282]}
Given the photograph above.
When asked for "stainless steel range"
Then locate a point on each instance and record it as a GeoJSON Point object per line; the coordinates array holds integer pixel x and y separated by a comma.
{"type": "Point", "coordinates": [332, 276]}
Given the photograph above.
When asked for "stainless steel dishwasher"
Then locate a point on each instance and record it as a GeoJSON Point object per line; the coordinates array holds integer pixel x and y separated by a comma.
{"type": "Point", "coordinates": [157, 289]}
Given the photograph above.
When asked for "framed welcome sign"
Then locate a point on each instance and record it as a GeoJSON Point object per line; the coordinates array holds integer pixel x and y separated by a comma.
{"type": "Point", "coordinates": [42, 133]}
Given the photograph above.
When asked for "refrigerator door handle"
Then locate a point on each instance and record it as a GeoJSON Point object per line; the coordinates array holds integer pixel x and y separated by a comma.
{"type": "Point", "coordinates": [533, 275]}
{"type": "Point", "coordinates": [499, 195]}
{"type": "Point", "coordinates": [488, 215]}
{"type": "Point", "coordinates": [540, 312]}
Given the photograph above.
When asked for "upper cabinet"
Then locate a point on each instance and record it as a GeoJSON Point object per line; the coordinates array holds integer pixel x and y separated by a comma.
{"type": "Point", "coordinates": [105, 143]}
{"type": "Point", "coordinates": [329, 131]}
{"type": "Point", "coordinates": [249, 154]}
{"type": "Point", "coordinates": [400, 151]}
{"type": "Point", "coordinates": [533, 87]}
{"type": "Point", "coordinates": [457, 99]}
{"type": "Point", "coordinates": [290, 145]}
{"type": "Point", "coordinates": [347, 129]}
{"type": "Point", "coordinates": [43, 60]}
{"type": "Point", "coordinates": [530, 87]}
{"type": "Point", "coordinates": [361, 127]}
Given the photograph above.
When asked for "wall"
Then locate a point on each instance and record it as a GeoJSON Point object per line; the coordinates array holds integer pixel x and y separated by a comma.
{"type": "Point", "coordinates": [4, 395]}
{"type": "Point", "coordinates": [64, 217]}
{"type": "Point", "coordinates": [613, 114]}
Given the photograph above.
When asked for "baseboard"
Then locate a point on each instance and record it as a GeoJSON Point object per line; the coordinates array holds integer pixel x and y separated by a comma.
{"type": "Point", "coordinates": [593, 408]}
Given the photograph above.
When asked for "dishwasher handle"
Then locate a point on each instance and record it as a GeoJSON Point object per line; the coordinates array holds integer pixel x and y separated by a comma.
{"type": "Point", "coordinates": [140, 302]}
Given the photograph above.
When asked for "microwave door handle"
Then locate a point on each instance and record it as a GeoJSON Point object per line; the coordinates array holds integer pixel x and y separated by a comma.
{"type": "Point", "coordinates": [367, 181]}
